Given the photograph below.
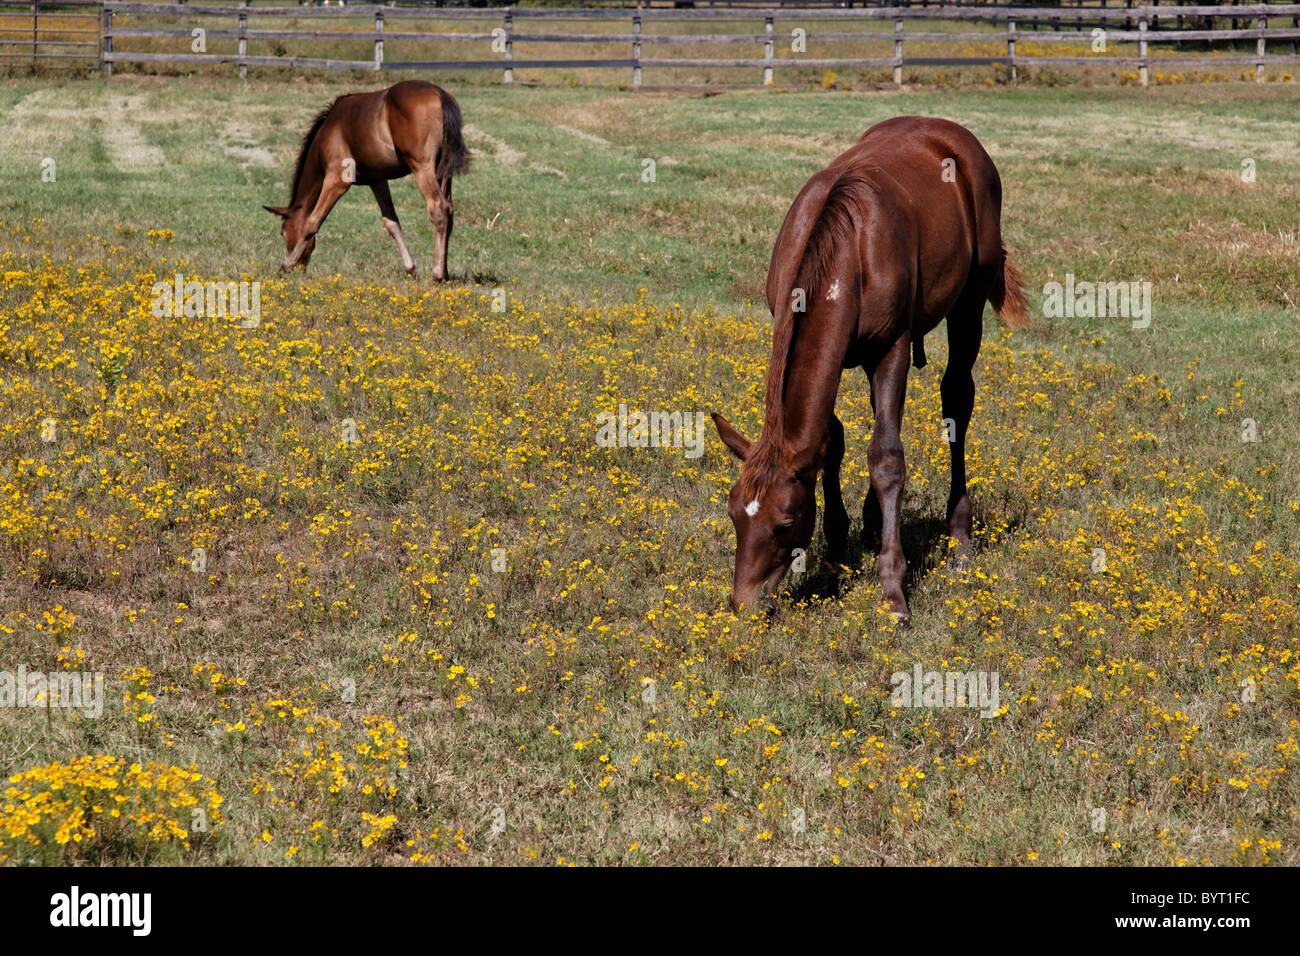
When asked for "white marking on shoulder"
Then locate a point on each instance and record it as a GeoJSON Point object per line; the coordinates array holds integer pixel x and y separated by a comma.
{"type": "Point", "coordinates": [834, 292]}
{"type": "Point", "coordinates": [751, 509]}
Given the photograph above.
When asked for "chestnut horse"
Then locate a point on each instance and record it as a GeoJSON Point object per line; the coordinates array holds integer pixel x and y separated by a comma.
{"type": "Point", "coordinates": [900, 231]}
{"type": "Point", "coordinates": [369, 138]}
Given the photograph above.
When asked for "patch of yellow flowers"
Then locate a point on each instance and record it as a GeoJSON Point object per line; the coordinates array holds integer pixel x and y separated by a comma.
{"type": "Point", "coordinates": [73, 812]}
{"type": "Point", "coordinates": [370, 451]}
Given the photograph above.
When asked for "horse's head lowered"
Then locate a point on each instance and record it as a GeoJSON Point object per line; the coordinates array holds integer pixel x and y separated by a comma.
{"type": "Point", "coordinates": [774, 509]}
{"type": "Point", "coordinates": [291, 227]}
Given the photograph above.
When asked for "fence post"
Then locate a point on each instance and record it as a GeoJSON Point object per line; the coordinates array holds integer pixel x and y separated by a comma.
{"type": "Point", "coordinates": [1262, 23]}
{"type": "Point", "coordinates": [36, 19]}
{"type": "Point", "coordinates": [898, 52]}
{"type": "Point", "coordinates": [510, 56]}
{"type": "Point", "coordinates": [243, 40]}
{"type": "Point", "coordinates": [1142, 49]}
{"type": "Point", "coordinates": [108, 42]}
{"type": "Point", "coordinates": [1011, 45]}
{"type": "Point", "coordinates": [379, 43]}
{"type": "Point", "coordinates": [768, 50]}
{"type": "Point", "coordinates": [636, 51]}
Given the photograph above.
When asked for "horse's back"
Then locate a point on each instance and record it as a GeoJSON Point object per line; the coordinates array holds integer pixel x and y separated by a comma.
{"type": "Point", "coordinates": [412, 94]}
{"type": "Point", "coordinates": [920, 144]}
{"type": "Point", "coordinates": [379, 129]}
{"type": "Point", "coordinates": [944, 171]}
{"type": "Point", "coordinates": [416, 118]}
{"type": "Point", "coordinates": [929, 212]}
{"type": "Point", "coordinates": [936, 174]}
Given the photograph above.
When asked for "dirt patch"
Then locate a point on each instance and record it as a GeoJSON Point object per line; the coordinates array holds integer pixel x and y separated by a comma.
{"type": "Point", "coordinates": [505, 154]}
{"type": "Point", "coordinates": [241, 146]}
{"type": "Point", "coordinates": [1238, 239]}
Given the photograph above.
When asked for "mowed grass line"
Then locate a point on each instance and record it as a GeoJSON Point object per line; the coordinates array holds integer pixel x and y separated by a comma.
{"type": "Point", "coordinates": [595, 691]}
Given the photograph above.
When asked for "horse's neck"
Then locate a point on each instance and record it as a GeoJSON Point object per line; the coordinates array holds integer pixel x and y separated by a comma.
{"type": "Point", "coordinates": [310, 184]}
{"type": "Point", "coordinates": [308, 195]}
{"type": "Point", "coordinates": [820, 342]}
{"type": "Point", "coordinates": [811, 384]}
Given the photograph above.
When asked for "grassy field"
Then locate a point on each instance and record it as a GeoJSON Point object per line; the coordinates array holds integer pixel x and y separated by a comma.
{"type": "Point", "coordinates": [474, 635]}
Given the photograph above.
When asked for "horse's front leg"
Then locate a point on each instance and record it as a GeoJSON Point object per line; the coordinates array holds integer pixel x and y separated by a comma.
{"type": "Point", "coordinates": [835, 520]}
{"type": "Point", "coordinates": [331, 191]}
{"type": "Point", "coordinates": [888, 468]}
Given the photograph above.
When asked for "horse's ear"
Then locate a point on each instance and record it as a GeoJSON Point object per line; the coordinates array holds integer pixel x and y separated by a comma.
{"type": "Point", "coordinates": [281, 211]}
{"type": "Point", "coordinates": [734, 440]}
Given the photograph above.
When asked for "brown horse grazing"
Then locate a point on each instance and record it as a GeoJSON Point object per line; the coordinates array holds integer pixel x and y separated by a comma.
{"type": "Point", "coordinates": [900, 231]}
{"type": "Point", "coordinates": [369, 138]}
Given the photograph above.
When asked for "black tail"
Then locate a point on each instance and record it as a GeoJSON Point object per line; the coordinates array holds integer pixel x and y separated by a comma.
{"type": "Point", "coordinates": [453, 158]}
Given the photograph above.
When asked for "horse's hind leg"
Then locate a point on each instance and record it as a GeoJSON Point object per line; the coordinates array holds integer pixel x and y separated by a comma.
{"type": "Point", "coordinates": [835, 520]}
{"type": "Point", "coordinates": [871, 520]}
{"type": "Point", "coordinates": [888, 467]}
{"type": "Point", "coordinates": [388, 215]}
{"type": "Point", "coordinates": [965, 329]}
{"type": "Point", "coordinates": [439, 205]}
{"type": "Point", "coordinates": [451, 212]}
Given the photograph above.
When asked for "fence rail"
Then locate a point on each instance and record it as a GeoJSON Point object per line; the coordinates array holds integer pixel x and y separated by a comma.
{"type": "Point", "coordinates": [1145, 26]}
{"type": "Point", "coordinates": [50, 33]}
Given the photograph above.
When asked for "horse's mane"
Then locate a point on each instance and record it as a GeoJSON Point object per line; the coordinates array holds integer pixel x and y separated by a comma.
{"type": "Point", "coordinates": [836, 224]}
{"type": "Point", "coordinates": [307, 140]}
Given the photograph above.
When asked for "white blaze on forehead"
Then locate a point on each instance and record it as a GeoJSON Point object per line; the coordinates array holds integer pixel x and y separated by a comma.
{"type": "Point", "coordinates": [834, 292]}
{"type": "Point", "coordinates": [751, 509]}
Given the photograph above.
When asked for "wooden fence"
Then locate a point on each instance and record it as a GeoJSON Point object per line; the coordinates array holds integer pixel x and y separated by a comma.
{"type": "Point", "coordinates": [1140, 27]}
{"type": "Point", "coordinates": [50, 33]}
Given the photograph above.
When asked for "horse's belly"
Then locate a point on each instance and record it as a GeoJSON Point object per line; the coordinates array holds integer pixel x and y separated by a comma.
{"type": "Point", "coordinates": [938, 297]}
{"type": "Point", "coordinates": [379, 164]}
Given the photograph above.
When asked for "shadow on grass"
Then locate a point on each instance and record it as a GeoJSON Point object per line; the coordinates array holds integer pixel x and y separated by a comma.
{"type": "Point", "coordinates": [923, 546]}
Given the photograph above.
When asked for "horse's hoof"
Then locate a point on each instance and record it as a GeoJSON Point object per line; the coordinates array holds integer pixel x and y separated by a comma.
{"type": "Point", "coordinates": [959, 563]}
{"type": "Point", "coordinates": [410, 273]}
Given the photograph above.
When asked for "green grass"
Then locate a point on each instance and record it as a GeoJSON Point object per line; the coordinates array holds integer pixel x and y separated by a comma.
{"type": "Point", "coordinates": [1122, 689]}
{"type": "Point", "coordinates": [1148, 181]}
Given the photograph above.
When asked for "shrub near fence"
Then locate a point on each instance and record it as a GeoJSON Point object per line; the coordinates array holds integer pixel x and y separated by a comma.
{"type": "Point", "coordinates": [878, 37]}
